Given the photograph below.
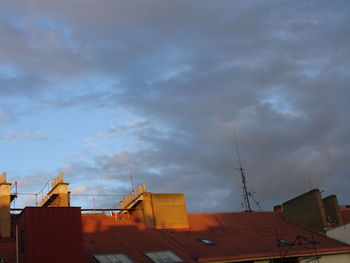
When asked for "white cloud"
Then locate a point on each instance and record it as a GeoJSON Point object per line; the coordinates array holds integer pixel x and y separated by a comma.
{"type": "Point", "coordinates": [23, 135]}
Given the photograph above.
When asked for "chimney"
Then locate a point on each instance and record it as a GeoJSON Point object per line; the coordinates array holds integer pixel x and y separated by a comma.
{"type": "Point", "coordinates": [58, 196]}
{"type": "Point", "coordinates": [277, 208]}
{"type": "Point", "coordinates": [5, 200]}
{"type": "Point", "coordinates": [307, 210]}
{"type": "Point", "coordinates": [333, 214]}
{"type": "Point", "coordinates": [158, 210]}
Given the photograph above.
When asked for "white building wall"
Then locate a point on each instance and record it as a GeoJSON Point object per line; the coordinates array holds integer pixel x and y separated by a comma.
{"type": "Point", "coordinates": [341, 233]}
{"type": "Point", "coordinates": [337, 258]}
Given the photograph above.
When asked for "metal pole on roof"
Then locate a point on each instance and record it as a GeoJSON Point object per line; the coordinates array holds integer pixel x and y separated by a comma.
{"type": "Point", "coordinates": [290, 246]}
{"type": "Point", "coordinates": [278, 244]}
{"type": "Point", "coordinates": [244, 182]}
{"type": "Point", "coordinates": [132, 185]}
{"type": "Point", "coordinates": [314, 245]}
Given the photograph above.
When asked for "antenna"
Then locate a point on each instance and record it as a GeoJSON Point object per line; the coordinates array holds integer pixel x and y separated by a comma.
{"type": "Point", "coordinates": [132, 184]}
{"type": "Point", "coordinates": [244, 182]}
{"type": "Point", "coordinates": [127, 158]}
{"type": "Point", "coordinates": [310, 183]}
{"type": "Point", "coordinates": [131, 178]}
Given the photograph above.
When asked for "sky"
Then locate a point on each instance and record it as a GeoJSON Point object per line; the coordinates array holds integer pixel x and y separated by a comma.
{"type": "Point", "coordinates": [101, 89]}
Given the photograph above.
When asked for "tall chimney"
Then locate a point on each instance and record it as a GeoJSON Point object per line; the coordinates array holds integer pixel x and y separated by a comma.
{"type": "Point", "coordinates": [333, 213]}
{"type": "Point", "coordinates": [307, 210]}
{"type": "Point", "coordinates": [58, 196]}
{"type": "Point", "coordinates": [5, 200]}
{"type": "Point", "coordinates": [158, 210]}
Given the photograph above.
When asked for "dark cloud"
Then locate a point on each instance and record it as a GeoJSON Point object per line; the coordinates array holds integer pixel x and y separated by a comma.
{"type": "Point", "coordinates": [276, 73]}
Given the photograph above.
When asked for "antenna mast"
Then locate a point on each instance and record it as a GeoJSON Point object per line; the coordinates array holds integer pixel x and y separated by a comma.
{"type": "Point", "coordinates": [245, 190]}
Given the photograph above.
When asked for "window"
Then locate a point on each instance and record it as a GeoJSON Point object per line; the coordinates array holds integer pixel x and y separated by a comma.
{"type": "Point", "coordinates": [163, 257]}
{"type": "Point", "coordinates": [111, 258]}
{"type": "Point", "coordinates": [206, 241]}
{"type": "Point", "coordinates": [310, 240]}
{"type": "Point", "coordinates": [284, 242]}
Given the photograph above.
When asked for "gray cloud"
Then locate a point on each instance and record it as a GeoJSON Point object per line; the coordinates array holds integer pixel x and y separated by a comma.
{"type": "Point", "coordinates": [276, 73]}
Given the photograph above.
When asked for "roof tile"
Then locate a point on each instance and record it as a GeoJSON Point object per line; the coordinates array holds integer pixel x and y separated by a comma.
{"type": "Point", "coordinates": [236, 236]}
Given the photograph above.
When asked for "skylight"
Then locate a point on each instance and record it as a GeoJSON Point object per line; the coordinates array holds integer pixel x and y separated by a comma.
{"type": "Point", "coordinates": [163, 257]}
{"type": "Point", "coordinates": [284, 242]}
{"type": "Point", "coordinates": [112, 258]}
{"type": "Point", "coordinates": [206, 241]}
{"type": "Point", "coordinates": [310, 240]}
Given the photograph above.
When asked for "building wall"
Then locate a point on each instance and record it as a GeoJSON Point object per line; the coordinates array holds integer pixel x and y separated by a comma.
{"type": "Point", "coordinates": [5, 217]}
{"type": "Point", "coordinates": [50, 234]}
{"type": "Point", "coordinates": [62, 199]}
{"type": "Point", "coordinates": [337, 258]}
{"type": "Point", "coordinates": [341, 233]}
{"type": "Point", "coordinates": [169, 210]}
{"type": "Point", "coordinates": [144, 210]}
{"type": "Point", "coordinates": [162, 210]}
{"type": "Point", "coordinates": [307, 210]}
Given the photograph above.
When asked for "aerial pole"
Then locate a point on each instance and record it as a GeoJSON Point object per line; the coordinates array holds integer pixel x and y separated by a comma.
{"type": "Point", "coordinates": [244, 182]}
{"type": "Point", "coordinates": [132, 184]}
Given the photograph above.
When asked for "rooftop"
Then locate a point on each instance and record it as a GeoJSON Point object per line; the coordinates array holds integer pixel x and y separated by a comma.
{"type": "Point", "coordinates": [235, 236]}
{"type": "Point", "coordinates": [155, 227]}
{"type": "Point", "coordinates": [346, 214]}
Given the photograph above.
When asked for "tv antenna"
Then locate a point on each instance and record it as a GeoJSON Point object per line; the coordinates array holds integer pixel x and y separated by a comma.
{"type": "Point", "coordinates": [246, 194]}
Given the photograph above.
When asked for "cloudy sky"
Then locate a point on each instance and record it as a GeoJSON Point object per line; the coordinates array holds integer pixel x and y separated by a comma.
{"type": "Point", "coordinates": [99, 89]}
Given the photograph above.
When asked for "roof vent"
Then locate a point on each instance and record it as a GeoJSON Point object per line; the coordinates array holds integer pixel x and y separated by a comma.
{"type": "Point", "coordinates": [206, 241]}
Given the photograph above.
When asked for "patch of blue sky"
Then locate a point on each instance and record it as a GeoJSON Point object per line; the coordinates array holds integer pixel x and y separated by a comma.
{"type": "Point", "coordinates": [64, 30]}
{"type": "Point", "coordinates": [171, 73]}
{"type": "Point", "coordinates": [167, 133]}
{"type": "Point", "coordinates": [279, 103]}
{"type": "Point", "coordinates": [98, 187]}
{"type": "Point", "coordinates": [65, 131]}
{"type": "Point", "coordinates": [70, 88]}
{"type": "Point", "coordinates": [154, 171]}
{"type": "Point", "coordinates": [311, 73]}
{"type": "Point", "coordinates": [282, 34]}
{"type": "Point", "coordinates": [8, 71]}
{"type": "Point", "coordinates": [48, 23]}
{"type": "Point", "coordinates": [11, 20]}
{"type": "Point", "coordinates": [344, 70]}
{"type": "Point", "coordinates": [312, 68]}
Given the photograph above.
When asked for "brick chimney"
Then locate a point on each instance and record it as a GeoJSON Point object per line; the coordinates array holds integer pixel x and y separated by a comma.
{"type": "Point", "coordinates": [158, 210]}
{"type": "Point", "coordinates": [5, 200]}
{"type": "Point", "coordinates": [58, 196]}
{"type": "Point", "coordinates": [307, 210]}
{"type": "Point", "coordinates": [310, 210]}
{"type": "Point", "coordinates": [333, 214]}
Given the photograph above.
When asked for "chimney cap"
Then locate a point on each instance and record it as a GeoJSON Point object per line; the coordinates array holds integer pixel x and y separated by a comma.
{"type": "Point", "coordinates": [277, 208]}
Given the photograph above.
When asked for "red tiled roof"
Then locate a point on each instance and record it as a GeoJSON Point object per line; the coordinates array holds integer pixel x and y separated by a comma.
{"type": "Point", "coordinates": [250, 235]}
{"type": "Point", "coordinates": [236, 236]}
{"type": "Point", "coordinates": [104, 234]}
{"type": "Point", "coordinates": [8, 250]}
{"type": "Point", "coordinates": [346, 214]}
